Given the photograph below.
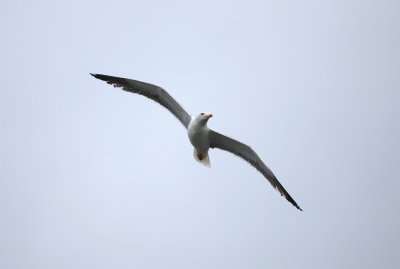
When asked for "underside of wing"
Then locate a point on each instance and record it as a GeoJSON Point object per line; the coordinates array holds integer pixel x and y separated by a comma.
{"type": "Point", "coordinates": [151, 91]}
{"type": "Point", "coordinates": [223, 142]}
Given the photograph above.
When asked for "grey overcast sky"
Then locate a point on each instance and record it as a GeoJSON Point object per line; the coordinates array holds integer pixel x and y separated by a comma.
{"type": "Point", "coordinates": [94, 177]}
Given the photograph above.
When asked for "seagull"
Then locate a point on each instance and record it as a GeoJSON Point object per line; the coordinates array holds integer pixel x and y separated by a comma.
{"type": "Point", "coordinates": [201, 137]}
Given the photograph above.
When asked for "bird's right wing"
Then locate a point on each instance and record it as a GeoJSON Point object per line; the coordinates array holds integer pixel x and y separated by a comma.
{"type": "Point", "coordinates": [223, 142]}
{"type": "Point", "coordinates": [151, 91]}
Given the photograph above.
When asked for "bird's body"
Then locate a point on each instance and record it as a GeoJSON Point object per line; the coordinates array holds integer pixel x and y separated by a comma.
{"type": "Point", "coordinates": [198, 133]}
{"type": "Point", "coordinates": [201, 137]}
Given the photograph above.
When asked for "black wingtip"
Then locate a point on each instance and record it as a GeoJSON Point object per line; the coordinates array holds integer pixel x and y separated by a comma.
{"type": "Point", "coordinates": [290, 199]}
{"type": "Point", "coordinates": [103, 77]}
{"type": "Point", "coordinates": [296, 205]}
{"type": "Point", "coordinates": [293, 202]}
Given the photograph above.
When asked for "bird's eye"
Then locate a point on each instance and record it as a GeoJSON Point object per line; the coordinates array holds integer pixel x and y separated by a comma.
{"type": "Point", "coordinates": [202, 114]}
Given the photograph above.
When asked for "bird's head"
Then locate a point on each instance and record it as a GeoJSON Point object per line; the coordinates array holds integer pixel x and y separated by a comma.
{"type": "Point", "coordinates": [204, 116]}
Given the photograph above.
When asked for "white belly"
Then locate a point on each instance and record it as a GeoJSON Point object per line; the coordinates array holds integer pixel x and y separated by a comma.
{"type": "Point", "coordinates": [198, 136]}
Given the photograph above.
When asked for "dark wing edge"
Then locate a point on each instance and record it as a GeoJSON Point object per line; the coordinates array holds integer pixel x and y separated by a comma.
{"type": "Point", "coordinates": [150, 91]}
{"type": "Point", "coordinates": [243, 151]}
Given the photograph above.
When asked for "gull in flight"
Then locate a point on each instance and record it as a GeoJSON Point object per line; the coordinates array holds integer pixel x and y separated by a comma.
{"type": "Point", "coordinates": [201, 137]}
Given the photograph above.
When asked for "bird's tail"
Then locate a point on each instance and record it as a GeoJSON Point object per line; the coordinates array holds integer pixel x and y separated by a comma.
{"type": "Point", "coordinates": [202, 158]}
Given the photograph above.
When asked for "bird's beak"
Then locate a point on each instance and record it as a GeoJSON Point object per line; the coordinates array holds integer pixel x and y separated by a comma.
{"type": "Point", "coordinates": [210, 116]}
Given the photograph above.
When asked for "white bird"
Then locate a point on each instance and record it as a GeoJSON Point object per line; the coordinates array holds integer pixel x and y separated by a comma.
{"type": "Point", "coordinates": [201, 137]}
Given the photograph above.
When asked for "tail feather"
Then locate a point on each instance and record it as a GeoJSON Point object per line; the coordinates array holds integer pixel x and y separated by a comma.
{"type": "Point", "coordinates": [202, 158]}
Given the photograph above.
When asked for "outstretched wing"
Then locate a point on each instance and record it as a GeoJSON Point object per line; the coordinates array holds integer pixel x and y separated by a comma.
{"type": "Point", "coordinates": [223, 142]}
{"type": "Point", "coordinates": [151, 91]}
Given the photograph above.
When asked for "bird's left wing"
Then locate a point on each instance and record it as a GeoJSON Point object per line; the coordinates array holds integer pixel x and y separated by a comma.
{"type": "Point", "coordinates": [151, 91]}
{"type": "Point", "coordinates": [223, 142]}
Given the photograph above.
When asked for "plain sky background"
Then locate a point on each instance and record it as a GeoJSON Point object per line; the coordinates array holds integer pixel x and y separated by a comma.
{"type": "Point", "coordinates": [94, 177]}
